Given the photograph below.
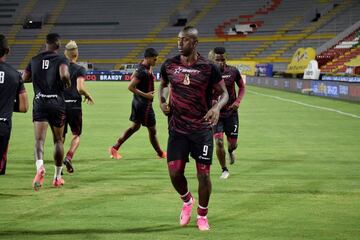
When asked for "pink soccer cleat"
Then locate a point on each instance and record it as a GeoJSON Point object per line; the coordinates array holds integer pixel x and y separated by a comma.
{"type": "Point", "coordinates": [202, 223]}
{"type": "Point", "coordinates": [163, 155]}
{"type": "Point", "coordinates": [186, 213]}
{"type": "Point", "coordinates": [58, 182]}
{"type": "Point", "coordinates": [39, 178]}
{"type": "Point", "coordinates": [114, 153]}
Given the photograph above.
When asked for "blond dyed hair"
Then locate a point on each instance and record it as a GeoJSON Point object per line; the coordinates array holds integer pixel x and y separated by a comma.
{"type": "Point", "coordinates": [71, 50]}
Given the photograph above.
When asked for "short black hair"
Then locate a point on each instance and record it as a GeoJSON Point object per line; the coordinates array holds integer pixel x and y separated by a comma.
{"type": "Point", "coordinates": [53, 38]}
{"type": "Point", "coordinates": [219, 50]}
{"type": "Point", "coordinates": [150, 52]}
{"type": "Point", "coordinates": [4, 47]}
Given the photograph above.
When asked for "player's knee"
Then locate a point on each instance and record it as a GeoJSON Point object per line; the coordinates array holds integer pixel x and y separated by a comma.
{"type": "Point", "coordinates": [232, 147]}
{"type": "Point", "coordinates": [58, 141]}
{"type": "Point", "coordinates": [135, 127]}
{"type": "Point", "coordinates": [204, 178]}
{"type": "Point", "coordinates": [176, 168]}
{"type": "Point", "coordinates": [219, 142]}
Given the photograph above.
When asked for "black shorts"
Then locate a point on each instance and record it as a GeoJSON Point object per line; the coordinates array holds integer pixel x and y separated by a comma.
{"type": "Point", "coordinates": [74, 120]}
{"type": "Point", "coordinates": [54, 116]}
{"type": "Point", "coordinates": [4, 142]}
{"type": "Point", "coordinates": [143, 113]}
{"type": "Point", "coordinates": [229, 125]}
{"type": "Point", "coordinates": [199, 145]}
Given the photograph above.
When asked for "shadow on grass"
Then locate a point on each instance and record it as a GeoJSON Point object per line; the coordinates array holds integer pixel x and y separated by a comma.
{"type": "Point", "coordinates": [138, 230]}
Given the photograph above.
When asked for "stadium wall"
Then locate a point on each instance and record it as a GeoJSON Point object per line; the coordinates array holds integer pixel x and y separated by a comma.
{"type": "Point", "coordinates": [331, 89]}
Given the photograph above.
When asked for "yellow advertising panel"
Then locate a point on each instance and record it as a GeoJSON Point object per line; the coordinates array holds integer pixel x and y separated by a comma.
{"type": "Point", "coordinates": [355, 62]}
{"type": "Point", "coordinates": [300, 60]}
{"type": "Point", "coordinates": [245, 67]}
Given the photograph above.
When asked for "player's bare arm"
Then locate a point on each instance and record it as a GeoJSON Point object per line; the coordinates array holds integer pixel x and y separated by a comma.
{"type": "Point", "coordinates": [65, 75]}
{"type": "Point", "coordinates": [163, 96]}
{"type": "Point", "coordinates": [23, 102]}
{"type": "Point", "coordinates": [82, 90]}
{"type": "Point", "coordinates": [212, 116]}
{"type": "Point", "coordinates": [241, 86]}
{"type": "Point", "coordinates": [26, 76]}
{"type": "Point", "coordinates": [132, 88]}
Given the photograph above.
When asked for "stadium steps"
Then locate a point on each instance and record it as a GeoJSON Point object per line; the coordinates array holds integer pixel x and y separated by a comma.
{"type": "Point", "coordinates": [18, 23]}
{"type": "Point", "coordinates": [164, 52]}
{"type": "Point", "coordinates": [267, 8]}
{"type": "Point", "coordinates": [279, 34]}
{"type": "Point", "coordinates": [133, 55]}
{"type": "Point", "coordinates": [337, 64]}
{"type": "Point", "coordinates": [312, 28]}
{"type": "Point", "coordinates": [332, 60]}
{"type": "Point", "coordinates": [35, 48]}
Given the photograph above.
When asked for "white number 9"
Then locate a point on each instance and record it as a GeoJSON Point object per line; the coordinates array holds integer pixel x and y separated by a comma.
{"type": "Point", "coordinates": [205, 150]}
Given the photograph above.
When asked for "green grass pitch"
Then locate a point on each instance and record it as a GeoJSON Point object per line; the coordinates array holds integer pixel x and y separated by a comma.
{"type": "Point", "coordinates": [297, 176]}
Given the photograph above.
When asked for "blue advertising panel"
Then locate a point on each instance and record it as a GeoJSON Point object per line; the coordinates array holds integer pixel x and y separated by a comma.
{"type": "Point", "coordinates": [111, 76]}
{"type": "Point", "coordinates": [264, 70]}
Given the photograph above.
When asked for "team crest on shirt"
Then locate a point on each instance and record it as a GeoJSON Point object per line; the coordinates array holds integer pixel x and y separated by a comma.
{"type": "Point", "coordinates": [186, 80]}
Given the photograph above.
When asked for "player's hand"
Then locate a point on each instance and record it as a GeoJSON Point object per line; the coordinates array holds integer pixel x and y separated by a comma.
{"type": "Point", "coordinates": [212, 116]}
{"type": "Point", "coordinates": [67, 84]}
{"type": "Point", "coordinates": [234, 106]}
{"type": "Point", "coordinates": [150, 95]}
{"type": "Point", "coordinates": [89, 100]}
{"type": "Point", "coordinates": [165, 108]}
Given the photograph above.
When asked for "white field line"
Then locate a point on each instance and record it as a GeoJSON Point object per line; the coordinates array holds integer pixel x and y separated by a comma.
{"type": "Point", "coordinates": [307, 105]}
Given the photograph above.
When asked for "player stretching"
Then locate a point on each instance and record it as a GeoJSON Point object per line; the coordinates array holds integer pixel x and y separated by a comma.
{"type": "Point", "coordinates": [192, 79]}
{"type": "Point", "coordinates": [142, 85]}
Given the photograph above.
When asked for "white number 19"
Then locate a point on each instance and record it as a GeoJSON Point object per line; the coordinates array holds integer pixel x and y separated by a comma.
{"type": "Point", "coordinates": [45, 64]}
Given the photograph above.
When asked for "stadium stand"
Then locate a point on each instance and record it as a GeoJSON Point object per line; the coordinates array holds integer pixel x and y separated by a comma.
{"type": "Point", "coordinates": [111, 33]}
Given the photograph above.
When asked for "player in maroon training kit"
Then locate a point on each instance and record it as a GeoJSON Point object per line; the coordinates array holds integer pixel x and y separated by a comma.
{"type": "Point", "coordinates": [11, 89]}
{"type": "Point", "coordinates": [192, 79]}
{"type": "Point", "coordinates": [229, 119]}
{"type": "Point", "coordinates": [142, 112]}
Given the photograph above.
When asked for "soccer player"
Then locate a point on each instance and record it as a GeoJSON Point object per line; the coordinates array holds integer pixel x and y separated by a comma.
{"type": "Point", "coordinates": [73, 102]}
{"type": "Point", "coordinates": [191, 79]}
{"type": "Point", "coordinates": [142, 85]}
{"type": "Point", "coordinates": [11, 89]}
{"type": "Point", "coordinates": [49, 73]}
{"type": "Point", "coordinates": [229, 119]}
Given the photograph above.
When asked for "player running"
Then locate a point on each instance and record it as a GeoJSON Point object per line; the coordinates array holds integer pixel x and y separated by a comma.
{"type": "Point", "coordinates": [229, 119]}
{"type": "Point", "coordinates": [142, 113]}
{"type": "Point", "coordinates": [73, 102]}
{"type": "Point", "coordinates": [49, 73]}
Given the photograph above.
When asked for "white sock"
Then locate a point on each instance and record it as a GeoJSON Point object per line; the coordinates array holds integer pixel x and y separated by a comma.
{"type": "Point", "coordinates": [39, 163]}
{"type": "Point", "coordinates": [57, 172]}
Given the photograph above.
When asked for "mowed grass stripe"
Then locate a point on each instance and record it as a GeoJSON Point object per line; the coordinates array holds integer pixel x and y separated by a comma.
{"type": "Point", "coordinates": [296, 176]}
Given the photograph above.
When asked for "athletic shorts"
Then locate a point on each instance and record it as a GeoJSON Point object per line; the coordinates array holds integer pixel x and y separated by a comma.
{"type": "Point", "coordinates": [198, 145]}
{"type": "Point", "coordinates": [4, 142]}
{"type": "Point", "coordinates": [229, 125]}
{"type": "Point", "coordinates": [143, 113]}
{"type": "Point", "coordinates": [54, 116]}
{"type": "Point", "coordinates": [74, 120]}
